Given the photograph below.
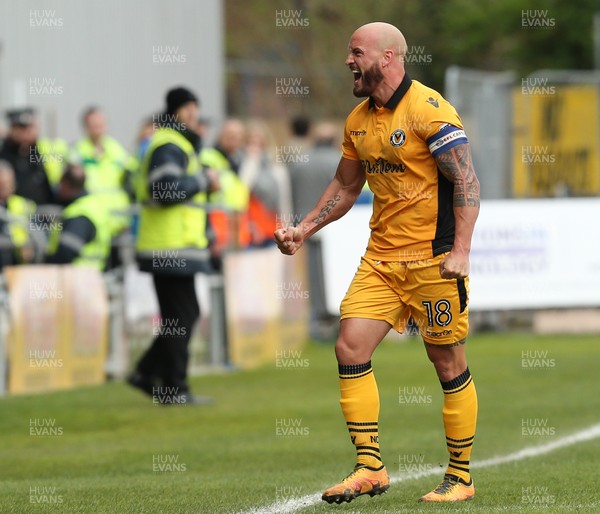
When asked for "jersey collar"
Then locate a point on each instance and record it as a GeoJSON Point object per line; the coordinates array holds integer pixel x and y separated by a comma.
{"type": "Point", "coordinates": [394, 100]}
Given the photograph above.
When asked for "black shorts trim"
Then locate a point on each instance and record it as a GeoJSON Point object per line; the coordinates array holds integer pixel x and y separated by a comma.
{"type": "Point", "coordinates": [462, 294]}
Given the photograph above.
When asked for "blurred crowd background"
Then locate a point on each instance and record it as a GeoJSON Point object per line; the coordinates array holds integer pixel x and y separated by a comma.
{"type": "Point", "coordinates": [82, 89]}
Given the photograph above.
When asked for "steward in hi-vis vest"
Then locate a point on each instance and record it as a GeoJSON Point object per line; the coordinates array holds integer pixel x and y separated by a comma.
{"type": "Point", "coordinates": [107, 165]}
{"type": "Point", "coordinates": [82, 237]}
{"type": "Point", "coordinates": [172, 234]}
{"type": "Point", "coordinates": [172, 245]}
{"type": "Point", "coordinates": [15, 218]}
{"type": "Point", "coordinates": [54, 154]}
{"type": "Point", "coordinates": [229, 216]}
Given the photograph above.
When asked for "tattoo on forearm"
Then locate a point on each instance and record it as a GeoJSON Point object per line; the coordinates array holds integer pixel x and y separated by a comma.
{"type": "Point", "coordinates": [327, 209]}
{"type": "Point", "coordinates": [457, 166]}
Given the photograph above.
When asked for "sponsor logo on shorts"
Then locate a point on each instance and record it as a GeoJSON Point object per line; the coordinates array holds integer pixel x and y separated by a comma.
{"type": "Point", "coordinates": [438, 334]}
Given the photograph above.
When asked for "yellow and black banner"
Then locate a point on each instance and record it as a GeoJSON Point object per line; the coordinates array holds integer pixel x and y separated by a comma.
{"type": "Point", "coordinates": [58, 327]}
{"type": "Point", "coordinates": [267, 301]}
{"type": "Point", "coordinates": [556, 140]}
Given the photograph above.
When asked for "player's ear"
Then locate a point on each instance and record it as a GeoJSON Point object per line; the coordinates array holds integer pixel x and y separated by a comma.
{"type": "Point", "coordinates": [388, 55]}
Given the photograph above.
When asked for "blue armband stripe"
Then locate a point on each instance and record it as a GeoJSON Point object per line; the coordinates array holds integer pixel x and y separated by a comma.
{"type": "Point", "coordinates": [448, 137]}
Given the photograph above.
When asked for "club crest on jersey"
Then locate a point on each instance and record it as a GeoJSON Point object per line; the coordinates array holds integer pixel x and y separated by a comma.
{"type": "Point", "coordinates": [398, 137]}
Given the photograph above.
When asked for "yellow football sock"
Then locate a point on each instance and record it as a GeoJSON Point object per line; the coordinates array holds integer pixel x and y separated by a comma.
{"type": "Point", "coordinates": [460, 418]}
{"type": "Point", "coordinates": [360, 405]}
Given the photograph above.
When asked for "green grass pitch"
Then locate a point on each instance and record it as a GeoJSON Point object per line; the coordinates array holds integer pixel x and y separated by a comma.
{"type": "Point", "coordinates": [277, 433]}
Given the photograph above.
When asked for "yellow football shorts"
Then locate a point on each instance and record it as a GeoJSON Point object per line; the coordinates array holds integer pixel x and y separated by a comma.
{"type": "Point", "coordinates": [396, 291]}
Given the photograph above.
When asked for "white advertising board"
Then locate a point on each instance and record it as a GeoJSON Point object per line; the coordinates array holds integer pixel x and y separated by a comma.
{"type": "Point", "coordinates": [526, 254]}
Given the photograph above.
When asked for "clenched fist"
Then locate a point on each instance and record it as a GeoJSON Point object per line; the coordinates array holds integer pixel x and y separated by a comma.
{"type": "Point", "coordinates": [289, 240]}
{"type": "Point", "coordinates": [454, 266]}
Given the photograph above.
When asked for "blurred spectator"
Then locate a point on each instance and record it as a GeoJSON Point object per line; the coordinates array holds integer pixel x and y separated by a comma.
{"type": "Point", "coordinates": [309, 177]}
{"type": "Point", "coordinates": [203, 126]}
{"type": "Point", "coordinates": [230, 144]}
{"type": "Point", "coordinates": [106, 165]}
{"type": "Point", "coordinates": [21, 151]}
{"type": "Point", "coordinates": [172, 245]}
{"type": "Point", "coordinates": [55, 155]}
{"type": "Point", "coordinates": [132, 182]}
{"type": "Point", "coordinates": [300, 128]}
{"type": "Point", "coordinates": [268, 182]}
{"type": "Point", "coordinates": [142, 141]}
{"type": "Point", "coordinates": [83, 237]}
{"type": "Point", "coordinates": [228, 214]}
{"type": "Point", "coordinates": [15, 216]}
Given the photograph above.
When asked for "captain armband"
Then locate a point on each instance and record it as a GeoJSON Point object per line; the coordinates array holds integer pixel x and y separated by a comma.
{"type": "Point", "coordinates": [446, 138]}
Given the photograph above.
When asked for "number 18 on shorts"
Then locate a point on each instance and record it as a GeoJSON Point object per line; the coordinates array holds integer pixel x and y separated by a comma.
{"type": "Point", "coordinates": [396, 291]}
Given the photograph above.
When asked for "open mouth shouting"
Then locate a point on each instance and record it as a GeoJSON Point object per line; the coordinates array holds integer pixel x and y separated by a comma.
{"type": "Point", "coordinates": [366, 81]}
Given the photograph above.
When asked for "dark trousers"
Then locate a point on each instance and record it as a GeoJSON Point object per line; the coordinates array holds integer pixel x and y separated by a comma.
{"type": "Point", "coordinates": [167, 358]}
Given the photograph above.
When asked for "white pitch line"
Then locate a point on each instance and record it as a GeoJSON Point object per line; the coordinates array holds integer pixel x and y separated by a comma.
{"type": "Point", "coordinates": [295, 504]}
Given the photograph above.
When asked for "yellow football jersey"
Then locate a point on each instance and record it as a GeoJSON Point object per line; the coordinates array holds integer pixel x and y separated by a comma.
{"type": "Point", "coordinates": [412, 215]}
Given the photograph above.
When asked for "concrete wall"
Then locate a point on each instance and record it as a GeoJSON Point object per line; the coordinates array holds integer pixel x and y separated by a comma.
{"type": "Point", "coordinates": [63, 55]}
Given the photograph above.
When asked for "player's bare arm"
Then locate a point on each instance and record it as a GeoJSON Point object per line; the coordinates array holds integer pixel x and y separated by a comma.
{"type": "Point", "coordinates": [336, 200]}
{"type": "Point", "coordinates": [457, 166]}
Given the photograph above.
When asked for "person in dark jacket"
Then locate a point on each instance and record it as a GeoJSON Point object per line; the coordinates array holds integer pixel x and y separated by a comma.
{"type": "Point", "coordinates": [172, 245]}
{"type": "Point", "coordinates": [21, 151]}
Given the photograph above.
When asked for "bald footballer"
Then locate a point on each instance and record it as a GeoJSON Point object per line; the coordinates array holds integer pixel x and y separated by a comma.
{"type": "Point", "coordinates": [409, 144]}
